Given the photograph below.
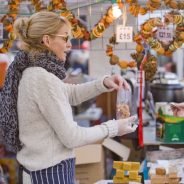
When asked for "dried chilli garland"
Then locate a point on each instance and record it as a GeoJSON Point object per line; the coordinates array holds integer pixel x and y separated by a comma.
{"type": "Point", "coordinates": [114, 59]}
{"type": "Point", "coordinates": [147, 33]}
{"type": "Point", "coordinates": [78, 30]}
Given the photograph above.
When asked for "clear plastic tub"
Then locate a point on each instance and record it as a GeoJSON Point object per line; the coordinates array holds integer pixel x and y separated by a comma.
{"type": "Point", "coordinates": [123, 104]}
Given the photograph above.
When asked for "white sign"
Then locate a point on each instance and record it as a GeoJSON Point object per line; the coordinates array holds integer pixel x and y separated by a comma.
{"type": "Point", "coordinates": [165, 34]}
{"type": "Point", "coordinates": [124, 34]}
{"type": "Point", "coordinates": [1, 30]}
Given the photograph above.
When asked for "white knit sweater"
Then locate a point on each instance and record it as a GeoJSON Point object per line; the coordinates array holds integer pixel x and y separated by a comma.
{"type": "Point", "coordinates": [46, 127]}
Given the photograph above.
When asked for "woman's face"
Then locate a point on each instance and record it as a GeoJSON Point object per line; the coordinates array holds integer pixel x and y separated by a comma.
{"type": "Point", "coordinates": [59, 44]}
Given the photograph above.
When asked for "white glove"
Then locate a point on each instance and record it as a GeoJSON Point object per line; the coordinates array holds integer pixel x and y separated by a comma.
{"type": "Point", "coordinates": [126, 126]}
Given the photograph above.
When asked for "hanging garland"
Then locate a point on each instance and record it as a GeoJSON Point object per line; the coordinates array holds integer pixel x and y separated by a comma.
{"type": "Point", "coordinates": [149, 28]}
{"type": "Point", "coordinates": [151, 5]}
{"type": "Point", "coordinates": [7, 21]}
{"type": "Point", "coordinates": [174, 4]}
{"type": "Point", "coordinates": [149, 66]}
{"type": "Point", "coordinates": [78, 29]}
{"type": "Point", "coordinates": [135, 8]}
{"type": "Point", "coordinates": [114, 59]}
{"type": "Point", "coordinates": [9, 18]}
{"type": "Point", "coordinates": [37, 5]}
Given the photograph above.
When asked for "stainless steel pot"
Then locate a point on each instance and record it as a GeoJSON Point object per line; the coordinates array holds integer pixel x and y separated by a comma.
{"type": "Point", "coordinates": [167, 92]}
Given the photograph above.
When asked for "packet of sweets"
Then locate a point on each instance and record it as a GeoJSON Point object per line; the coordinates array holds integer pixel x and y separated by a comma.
{"type": "Point", "coordinates": [123, 104]}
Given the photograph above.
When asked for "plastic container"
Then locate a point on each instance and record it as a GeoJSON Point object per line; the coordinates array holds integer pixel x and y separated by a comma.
{"type": "Point", "coordinates": [123, 104]}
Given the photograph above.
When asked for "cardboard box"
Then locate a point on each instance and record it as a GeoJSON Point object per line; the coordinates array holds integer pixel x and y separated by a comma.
{"type": "Point", "coordinates": [90, 164]}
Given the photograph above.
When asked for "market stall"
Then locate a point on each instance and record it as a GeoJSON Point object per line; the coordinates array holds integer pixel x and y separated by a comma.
{"type": "Point", "coordinates": [143, 41]}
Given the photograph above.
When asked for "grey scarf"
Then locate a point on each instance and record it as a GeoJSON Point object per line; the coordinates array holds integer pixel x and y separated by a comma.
{"type": "Point", "coordinates": [9, 93]}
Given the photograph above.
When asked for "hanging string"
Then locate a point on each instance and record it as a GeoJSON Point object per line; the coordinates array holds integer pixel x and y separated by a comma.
{"type": "Point", "coordinates": [124, 15]}
{"type": "Point", "coordinates": [140, 126]}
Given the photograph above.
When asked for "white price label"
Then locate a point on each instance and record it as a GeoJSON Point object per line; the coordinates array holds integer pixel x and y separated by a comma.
{"type": "Point", "coordinates": [165, 34]}
{"type": "Point", "coordinates": [124, 34]}
{"type": "Point", "coordinates": [1, 30]}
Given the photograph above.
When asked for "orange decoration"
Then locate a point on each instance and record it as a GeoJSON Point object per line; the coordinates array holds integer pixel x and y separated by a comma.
{"type": "Point", "coordinates": [8, 21]}
{"type": "Point", "coordinates": [115, 59]}
{"type": "Point", "coordinates": [78, 30]}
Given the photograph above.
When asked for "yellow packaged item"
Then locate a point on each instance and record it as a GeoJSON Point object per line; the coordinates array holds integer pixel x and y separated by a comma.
{"type": "Point", "coordinates": [120, 173]}
{"type": "Point", "coordinates": [118, 165]}
{"type": "Point", "coordinates": [122, 180]}
{"type": "Point", "coordinates": [127, 166]}
{"type": "Point", "coordinates": [133, 175]}
{"type": "Point", "coordinates": [138, 179]}
{"type": "Point", "coordinates": [135, 166]}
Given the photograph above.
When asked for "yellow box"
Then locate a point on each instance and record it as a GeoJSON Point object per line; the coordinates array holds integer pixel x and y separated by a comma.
{"type": "Point", "coordinates": [118, 165]}
{"type": "Point", "coordinates": [127, 166]}
{"type": "Point", "coordinates": [138, 179]}
{"type": "Point", "coordinates": [135, 166]}
{"type": "Point", "coordinates": [120, 173]}
{"type": "Point", "coordinates": [122, 180]}
{"type": "Point", "coordinates": [133, 174]}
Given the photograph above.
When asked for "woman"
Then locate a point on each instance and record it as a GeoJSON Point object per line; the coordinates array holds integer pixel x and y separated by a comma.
{"type": "Point", "coordinates": [37, 104]}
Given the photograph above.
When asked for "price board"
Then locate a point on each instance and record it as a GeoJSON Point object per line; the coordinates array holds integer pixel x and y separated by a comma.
{"type": "Point", "coordinates": [165, 34]}
{"type": "Point", "coordinates": [124, 34]}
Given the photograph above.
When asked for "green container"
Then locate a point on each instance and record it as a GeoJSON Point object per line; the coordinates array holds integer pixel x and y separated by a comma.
{"type": "Point", "coordinates": [174, 132]}
{"type": "Point", "coordinates": [170, 129]}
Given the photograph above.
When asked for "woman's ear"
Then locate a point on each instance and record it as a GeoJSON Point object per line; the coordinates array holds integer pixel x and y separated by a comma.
{"type": "Point", "coordinates": [46, 40]}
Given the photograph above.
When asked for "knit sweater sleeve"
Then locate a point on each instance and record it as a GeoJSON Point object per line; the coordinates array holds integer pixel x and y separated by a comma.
{"type": "Point", "coordinates": [52, 100]}
{"type": "Point", "coordinates": [79, 93]}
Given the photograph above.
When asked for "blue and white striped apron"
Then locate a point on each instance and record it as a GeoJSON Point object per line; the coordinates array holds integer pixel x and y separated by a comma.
{"type": "Point", "coordinates": [62, 173]}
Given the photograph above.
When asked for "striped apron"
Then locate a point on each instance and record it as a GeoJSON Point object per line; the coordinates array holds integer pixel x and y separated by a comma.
{"type": "Point", "coordinates": [62, 173]}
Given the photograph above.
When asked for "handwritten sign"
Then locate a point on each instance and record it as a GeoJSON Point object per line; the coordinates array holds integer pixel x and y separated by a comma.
{"type": "Point", "coordinates": [124, 34]}
{"type": "Point", "coordinates": [165, 34]}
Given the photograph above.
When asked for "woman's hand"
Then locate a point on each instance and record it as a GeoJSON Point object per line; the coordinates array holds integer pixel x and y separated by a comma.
{"type": "Point", "coordinates": [178, 109]}
{"type": "Point", "coordinates": [116, 82]}
{"type": "Point", "coordinates": [127, 125]}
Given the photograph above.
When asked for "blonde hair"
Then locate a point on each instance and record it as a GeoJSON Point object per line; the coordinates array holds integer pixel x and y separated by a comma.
{"type": "Point", "coordinates": [30, 30]}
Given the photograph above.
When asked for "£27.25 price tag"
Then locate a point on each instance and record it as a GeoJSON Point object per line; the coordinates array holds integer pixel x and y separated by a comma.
{"type": "Point", "coordinates": [165, 34]}
{"type": "Point", "coordinates": [124, 34]}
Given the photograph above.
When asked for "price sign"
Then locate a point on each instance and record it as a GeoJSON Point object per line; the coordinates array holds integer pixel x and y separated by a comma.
{"type": "Point", "coordinates": [165, 34]}
{"type": "Point", "coordinates": [1, 30]}
{"type": "Point", "coordinates": [124, 34]}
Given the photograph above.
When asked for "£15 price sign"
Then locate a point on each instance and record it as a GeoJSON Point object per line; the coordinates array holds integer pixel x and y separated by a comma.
{"type": "Point", "coordinates": [124, 34]}
{"type": "Point", "coordinates": [165, 34]}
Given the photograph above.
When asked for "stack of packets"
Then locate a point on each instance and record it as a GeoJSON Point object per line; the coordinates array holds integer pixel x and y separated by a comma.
{"type": "Point", "coordinates": [160, 177]}
{"type": "Point", "coordinates": [126, 172]}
